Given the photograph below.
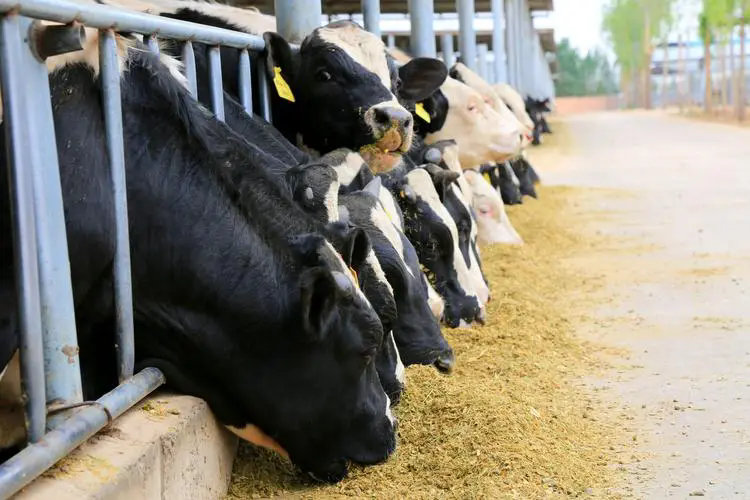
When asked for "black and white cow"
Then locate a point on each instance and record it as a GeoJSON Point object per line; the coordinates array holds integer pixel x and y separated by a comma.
{"type": "Point", "coordinates": [237, 298]}
{"type": "Point", "coordinates": [432, 231]}
{"type": "Point", "coordinates": [502, 177]}
{"type": "Point", "coordinates": [536, 109]}
{"type": "Point", "coordinates": [522, 172]}
{"type": "Point", "coordinates": [416, 331]}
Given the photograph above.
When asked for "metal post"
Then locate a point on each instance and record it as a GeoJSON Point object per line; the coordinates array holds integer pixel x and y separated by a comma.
{"type": "Point", "coordinates": [295, 19]}
{"type": "Point", "coordinates": [446, 45]}
{"type": "Point", "coordinates": [467, 40]}
{"type": "Point", "coordinates": [391, 41]}
{"type": "Point", "coordinates": [110, 82]}
{"type": "Point", "coordinates": [422, 13]}
{"type": "Point", "coordinates": [521, 49]}
{"type": "Point", "coordinates": [263, 95]}
{"type": "Point", "coordinates": [20, 156]}
{"type": "Point", "coordinates": [152, 43]}
{"type": "Point", "coordinates": [215, 83]}
{"type": "Point", "coordinates": [188, 59]}
{"type": "Point", "coordinates": [498, 40]}
{"type": "Point", "coordinates": [61, 362]}
{"type": "Point", "coordinates": [246, 90]}
{"type": "Point", "coordinates": [482, 60]}
{"type": "Point", "coordinates": [371, 14]}
{"type": "Point", "coordinates": [511, 38]}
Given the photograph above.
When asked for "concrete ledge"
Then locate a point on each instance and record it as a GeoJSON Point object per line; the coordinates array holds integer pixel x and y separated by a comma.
{"type": "Point", "coordinates": [167, 446]}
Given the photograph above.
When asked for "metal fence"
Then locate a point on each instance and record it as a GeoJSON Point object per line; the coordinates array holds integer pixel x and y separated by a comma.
{"type": "Point", "coordinates": [57, 418]}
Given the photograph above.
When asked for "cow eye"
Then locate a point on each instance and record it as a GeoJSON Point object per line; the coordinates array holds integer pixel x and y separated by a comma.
{"type": "Point", "coordinates": [472, 108]}
{"type": "Point", "coordinates": [323, 75]}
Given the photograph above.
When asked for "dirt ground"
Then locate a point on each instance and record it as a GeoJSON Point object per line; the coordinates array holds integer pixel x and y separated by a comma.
{"type": "Point", "coordinates": [669, 198]}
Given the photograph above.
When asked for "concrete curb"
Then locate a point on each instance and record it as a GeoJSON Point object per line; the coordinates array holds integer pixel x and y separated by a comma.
{"type": "Point", "coordinates": [167, 446]}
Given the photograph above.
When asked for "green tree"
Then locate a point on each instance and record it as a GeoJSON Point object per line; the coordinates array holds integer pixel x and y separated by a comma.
{"type": "Point", "coordinates": [591, 74]}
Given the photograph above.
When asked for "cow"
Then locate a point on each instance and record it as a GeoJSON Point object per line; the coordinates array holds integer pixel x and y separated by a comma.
{"type": "Point", "coordinates": [515, 103]}
{"type": "Point", "coordinates": [417, 331]}
{"type": "Point", "coordinates": [521, 170]}
{"type": "Point", "coordinates": [503, 179]}
{"type": "Point", "coordinates": [337, 90]}
{"type": "Point", "coordinates": [237, 297]}
{"type": "Point", "coordinates": [430, 228]}
{"type": "Point", "coordinates": [494, 226]}
{"type": "Point", "coordinates": [536, 109]}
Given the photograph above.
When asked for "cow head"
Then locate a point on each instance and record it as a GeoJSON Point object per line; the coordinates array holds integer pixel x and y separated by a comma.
{"type": "Point", "coordinates": [417, 332]}
{"type": "Point", "coordinates": [315, 187]}
{"type": "Point", "coordinates": [522, 172]}
{"type": "Point", "coordinates": [494, 224]}
{"type": "Point", "coordinates": [504, 180]}
{"type": "Point", "coordinates": [459, 112]}
{"type": "Point", "coordinates": [346, 93]}
{"type": "Point", "coordinates": [430, 228]}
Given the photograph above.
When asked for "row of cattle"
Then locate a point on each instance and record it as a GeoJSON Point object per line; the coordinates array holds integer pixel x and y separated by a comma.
{"type": "Point", "coordinates": [284, 273]}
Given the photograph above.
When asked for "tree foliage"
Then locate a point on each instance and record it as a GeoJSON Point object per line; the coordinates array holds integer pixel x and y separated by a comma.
{"type": "Point", "coordinates": [579, 75]}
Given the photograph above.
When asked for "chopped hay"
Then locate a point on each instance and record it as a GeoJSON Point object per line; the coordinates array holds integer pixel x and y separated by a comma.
{"type": "Point", "coordinates": [511, 421]}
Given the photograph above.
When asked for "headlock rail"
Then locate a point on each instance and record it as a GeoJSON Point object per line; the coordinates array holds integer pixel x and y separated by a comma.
{"type": "Point", "coordinates": [57, 418]}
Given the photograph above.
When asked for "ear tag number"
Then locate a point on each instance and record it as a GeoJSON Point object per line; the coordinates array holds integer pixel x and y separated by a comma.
{"type": "Point", "coordinates": [281, 86]}
{"type": "Point", "coordinates": [422, 113]}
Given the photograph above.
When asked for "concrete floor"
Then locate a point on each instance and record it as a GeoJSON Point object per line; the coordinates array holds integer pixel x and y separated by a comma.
{"type": "Point", "coordinates": [673, 277]}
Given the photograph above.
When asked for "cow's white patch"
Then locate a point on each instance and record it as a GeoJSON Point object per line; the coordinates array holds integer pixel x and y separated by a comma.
{"type": "Point", "coordinates": [388, 412]}
{"type": "Point", "coordinates": [389, 205]}
{"type": "Point", "coordinates": [348, 169]}
{"type": "Point", "coordinates": [510, 173]}
{"type": "Point", "coordinates": [434, 300]}
{"type": "Point", "coordinates": [362, 46]}
{"type": "Point", "coordinates": [483, 292]}
{"type": "Point", "coordinates": [331, 201]}
{"type": "Point", "coordinates": [493, 223]}
{"type": "Point", "coordinates": [380, 219]}
{"type": "Point", "coordinates": [373, 261]}
{"type": "Point", "coordinates": [400, 370]}
{"type": "Point", "coordinates": [422, 184]}
{"type": "Point", "coordinates": [482, 134]}
{"type": "Point", "coordinates": [515, 102]}
{"type": "Point", "coordinates": [252, 434]}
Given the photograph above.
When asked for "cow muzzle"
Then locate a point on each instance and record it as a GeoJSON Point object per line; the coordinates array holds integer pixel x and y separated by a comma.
{"type": "Point", "coordinates": [391, 128]}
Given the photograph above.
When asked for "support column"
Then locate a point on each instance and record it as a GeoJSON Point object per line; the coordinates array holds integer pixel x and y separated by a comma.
{"type": "Point", "coordinates": [511, 38]}
{"type": "Point", "coordinates": [391, 41]}
{"type": "Point", "coordinates": [467, 40]}
{"type": "Point", "coordinates": [498, 41]}
{"type": "Point", "coordinates": [295, 19]}
{"type": "Point", "coordinates": [482, 50]}
{"type": "Point", "coordinates": [446, 45]}
{"type": "Point", "coordinates": [422, 13]}
{"type": "Point", "coordinates": [371, 14]}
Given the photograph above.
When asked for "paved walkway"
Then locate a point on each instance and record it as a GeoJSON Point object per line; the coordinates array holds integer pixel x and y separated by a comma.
{"type": "Point", "coordinates": [675, 279]}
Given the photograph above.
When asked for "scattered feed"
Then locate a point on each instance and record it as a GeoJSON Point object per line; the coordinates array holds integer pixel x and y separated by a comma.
{"type": "Point", "coordinates": [511, 421]}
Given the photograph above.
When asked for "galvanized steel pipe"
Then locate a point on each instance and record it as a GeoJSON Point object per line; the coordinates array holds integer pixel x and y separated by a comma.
{"type": "Point", "coordinates": [421, 14]}
{"type": "Point", "coordinates": [371, 15]}
{"type": "Point", "coordinates": [295, 19]}
{"type": "Point", "coordinates": [498, 41]}
{"type": "Point", "coordinates": [482, 50]}
{"type": "Point", "coordinates": [446, 45]}
{"type": "Point", "coordinates": [467, 40]}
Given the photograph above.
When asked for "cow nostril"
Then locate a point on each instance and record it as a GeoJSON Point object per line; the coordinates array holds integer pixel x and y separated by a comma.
{"type": "Point", "coordinates": [482, 316]}
{"type": "Point", "coordinates": [381, 116]}
{"type": "Point", "coordinates": [392, 116]}
{"type": "Point", "coordinates": [445, 362]}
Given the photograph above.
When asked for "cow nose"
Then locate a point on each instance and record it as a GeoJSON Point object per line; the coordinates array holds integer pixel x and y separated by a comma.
{"type": "Point", "coordinates": [445, 362]}
{"type": "Point", "coordinates": [482, 316]}
{"type": "Point", "coordinates": [388, 117]}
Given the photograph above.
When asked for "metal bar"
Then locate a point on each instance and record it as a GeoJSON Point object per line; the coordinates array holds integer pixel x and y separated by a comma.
{"type": "Point", "coordinates": [371, 15]}
{"type": "Point", "coordinates": [498, 40]}
{"type": "Point", "coordinates": [20, 177]}
{"type": "Point", "coordinates": [482, 50]}
{"type": "Point", "coordinates": [152, 43]}
{"type": "Point", "coordinates": [25, 466]}
{"type": "Point", "coordinates": [263, 91]}
{"type": "Point", "coordinates": [107, 17]}
{"type": "Point", "coordinates": [446, 45]}
{"type": "Point", "coordinates": [110, 81]}
{"type": "Point", "coordinates": [60, 345]}
{"type": "Point", "coordinates": [188, 60]}
{"type": "Point", "coordinates": [511, 39]}
{"type": "Point", "coordinates": [467, 40]}
{"type": "Point", "coordinates": [422, 13]}
{"type": "Point", "coordinates": [391, 41]}
{"type": "Point", "coordinates": [245, 83]}
{"type": "Point", "coordinates": [216, 86]}
{"type": "Point", "coordinates": [295, 19]}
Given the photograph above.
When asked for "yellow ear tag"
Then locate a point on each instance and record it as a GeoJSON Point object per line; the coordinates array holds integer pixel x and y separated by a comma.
{"type": "Point", "coordinates": [487, 177]}
{"type": "Point", "coordinates": [356, 278]}
{"type": "Point", "coordinates": [422, 113]}
{"type": "Point", "coordinates": [281, 86]}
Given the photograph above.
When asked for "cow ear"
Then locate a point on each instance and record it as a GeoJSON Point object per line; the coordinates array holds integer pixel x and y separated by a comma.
{"type": "Point", "coordinates": [355, 248]}
{"type": "Point", "coordinates": [453, 73]}
{"type": "Point", "coordinates": [420, 78]}
{"type": "Point", "coordinates": [279, 55]}
{"type": "Point", "coordinates": [441, 178]}
{"type": "Point", "coordinates": [373, 187]}
{"type": "Point", "coordinates": [318, 292]}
